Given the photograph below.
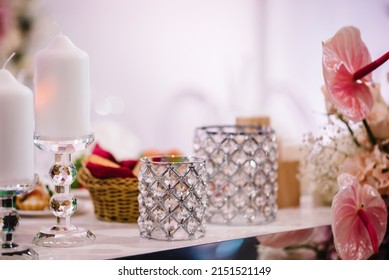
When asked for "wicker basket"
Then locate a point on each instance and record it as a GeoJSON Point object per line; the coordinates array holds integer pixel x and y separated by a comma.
{"type": "Point", "coordinates": [114, 200]}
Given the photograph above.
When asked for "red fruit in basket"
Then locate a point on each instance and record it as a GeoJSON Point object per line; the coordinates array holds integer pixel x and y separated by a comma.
{"type": "Point", "coordinates": [104, 172]}
{"type": "Point", "coordinates": [128, 164]}
{"type": "Point", "coordinates": [98, 160]}
{"type": "Point", "coordinates": [103, 165]}
{"type": "Point", "coordinates": [98, 151]}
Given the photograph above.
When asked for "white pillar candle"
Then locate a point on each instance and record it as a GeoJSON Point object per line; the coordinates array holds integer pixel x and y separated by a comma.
{"type": "Point", "coordinates": [16, 131]}
{"type": "Point", "coordinates": [62, 98]}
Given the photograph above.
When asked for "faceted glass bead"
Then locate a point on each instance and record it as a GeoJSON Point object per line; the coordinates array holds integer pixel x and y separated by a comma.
{"type": "Point", "coordinates": [63, 175]}
{"type": "Point", "coordinates": [63, 205]}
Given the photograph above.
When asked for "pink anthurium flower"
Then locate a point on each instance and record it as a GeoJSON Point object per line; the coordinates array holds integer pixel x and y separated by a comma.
{"type": "Point", "coordinates": [343, 55]}
{"type": "Point", "coordinates": [359, 219]}
{"type": "Point", "coordinates": [347, 69]}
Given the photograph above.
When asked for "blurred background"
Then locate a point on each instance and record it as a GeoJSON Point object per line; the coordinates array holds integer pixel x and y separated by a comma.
{"type": "Point", "coordinates": [158, 69]}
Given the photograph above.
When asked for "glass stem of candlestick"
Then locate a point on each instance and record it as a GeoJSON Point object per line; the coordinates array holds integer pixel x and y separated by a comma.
{"type": "Point", "coordinates": [63, 203]}
{"type": "Point", "coordinates": [63, 221]}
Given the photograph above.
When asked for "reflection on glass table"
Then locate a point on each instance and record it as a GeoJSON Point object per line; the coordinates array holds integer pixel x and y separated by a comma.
{"type": "Point", "coordinates": [123, 240]}
{"type": "Point", "coordinates": [239, 249]}
{"type": "Point", "coordinates": [315, 244]}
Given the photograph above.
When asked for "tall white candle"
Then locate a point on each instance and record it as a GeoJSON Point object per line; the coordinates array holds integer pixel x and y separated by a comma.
{"type": "Point", "coordinates": [16, 131]}
{"type": "Point", "coordinates": [62, 98]}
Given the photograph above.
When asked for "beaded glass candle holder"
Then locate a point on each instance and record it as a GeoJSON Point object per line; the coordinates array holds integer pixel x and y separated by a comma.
{"type": "Point", "coordinates": [172, 198]}
{"type": "Point", "coordinates": [242, 173]}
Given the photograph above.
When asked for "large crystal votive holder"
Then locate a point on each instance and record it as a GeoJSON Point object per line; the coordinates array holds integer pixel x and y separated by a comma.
{"type": "Point", "coordinates": [172, 199]}
{"type": "Point", "coordinates": [242, 172]}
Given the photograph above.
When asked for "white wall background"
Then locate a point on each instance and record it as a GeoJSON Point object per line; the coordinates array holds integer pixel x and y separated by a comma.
{"type": "Point", "coordinates": [161, 68]}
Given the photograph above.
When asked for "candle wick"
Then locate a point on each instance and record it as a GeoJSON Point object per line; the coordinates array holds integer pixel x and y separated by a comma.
{"type": "Point", "coordinates": [58, 26]}
{"type": "Point", "coordinates": [8, 60]}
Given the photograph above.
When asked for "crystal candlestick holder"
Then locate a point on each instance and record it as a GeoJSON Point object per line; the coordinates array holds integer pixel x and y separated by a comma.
{"type": "Point", "coordinates": [63, 203]}
{"type": "Point", "coordinates": [9, 221]}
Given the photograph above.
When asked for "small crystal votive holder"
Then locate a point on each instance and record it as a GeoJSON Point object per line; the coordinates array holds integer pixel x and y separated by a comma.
{"type": "Point", "coordinates": [242, 169]}
{"type": "Point", "coordinates": [172, 200]}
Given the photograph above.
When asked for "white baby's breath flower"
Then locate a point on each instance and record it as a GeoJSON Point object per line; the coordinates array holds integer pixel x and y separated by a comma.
{"type": "Point", "coordinates": [323, 156]}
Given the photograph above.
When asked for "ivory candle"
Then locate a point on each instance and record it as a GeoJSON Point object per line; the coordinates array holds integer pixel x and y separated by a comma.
{"type": "Point", "coordinates": [16, 131]}
{"type": "Point", "coordinates": [62, 98]}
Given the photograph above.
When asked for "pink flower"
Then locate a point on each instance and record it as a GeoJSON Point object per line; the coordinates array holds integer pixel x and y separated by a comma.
{"type": "Point", "coordinates": [369, 167]}
{"type": "Point", "coordinates": [5, 15]}
{"type": "Point", "coordinates": [378, 118]}
{"type": "Point", "coordinates": [343, 55]}
{"type": "Point", "coordinates": [285, 239]}
{"type": "Point", "coordinates": [358, 165]}
{"type": "Point", "coordinates": [330, 108]}
{"type": "Point", "coordinates": [359, 219]}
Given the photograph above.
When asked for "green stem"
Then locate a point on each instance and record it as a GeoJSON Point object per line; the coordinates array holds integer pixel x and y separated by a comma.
{"type": "Point", "coordinates": [350, 130]}
{"type": "Point", "coordinates": [372, 139]}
